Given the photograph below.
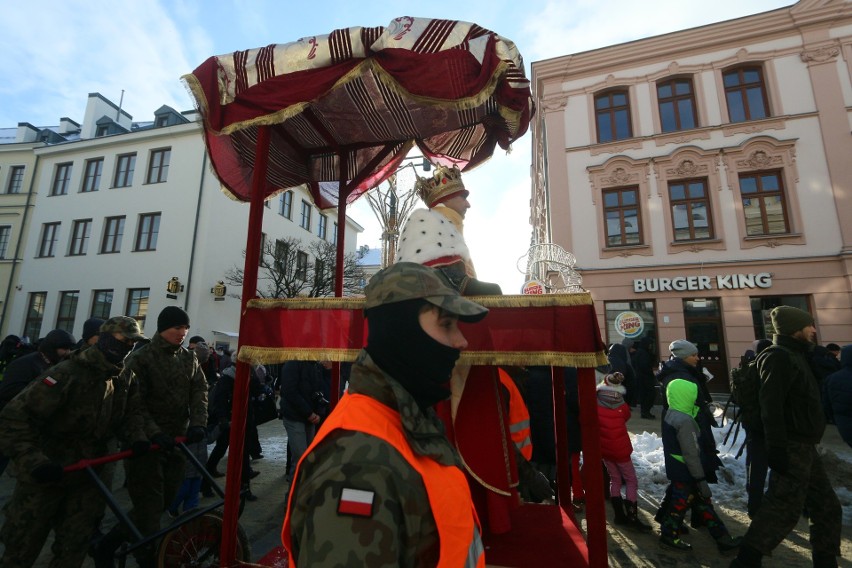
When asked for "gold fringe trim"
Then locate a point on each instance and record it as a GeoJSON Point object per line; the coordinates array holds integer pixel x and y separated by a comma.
{"type": "Point", "coordinates": [357, 303]}
{"type": "Point", "coordinates": [348, 303]}
{"type": "Point", "coordinates": [271, 355]}
{"type": "Point", "coordinates": [533, 300]}
{"type": "Point", "coordinates": [523, 358]}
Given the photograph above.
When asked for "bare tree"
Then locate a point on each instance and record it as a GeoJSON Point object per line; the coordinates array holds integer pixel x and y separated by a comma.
{"type": "Point", "coordinates": [290, 269]}
{"type": "Point", "coordinates": [391, 207]}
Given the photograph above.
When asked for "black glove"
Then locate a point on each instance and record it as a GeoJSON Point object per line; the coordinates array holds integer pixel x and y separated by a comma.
{"type": "Point", "coordinates": [195, 434]}
{"type": "Point", "coordinates": [704, 490]}
{"type": "Point", "coordinates": [777, 458]}
{"type": "Point", "coordinates": [140, 447]}
{"type": "Point", "coordinates": [163, 440]}
{"type": "Point", "coordinates": [49, 472]}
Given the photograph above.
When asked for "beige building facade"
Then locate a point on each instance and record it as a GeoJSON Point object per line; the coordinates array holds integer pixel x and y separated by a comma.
{"type": "Point", "coordinates": [703, 177]}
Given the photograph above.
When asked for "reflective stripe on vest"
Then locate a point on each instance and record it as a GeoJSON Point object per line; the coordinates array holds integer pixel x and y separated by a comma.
{"type": "Point", "coordinates": [446, 486]}
{"type": "Point", "coordinates": [519, 416]}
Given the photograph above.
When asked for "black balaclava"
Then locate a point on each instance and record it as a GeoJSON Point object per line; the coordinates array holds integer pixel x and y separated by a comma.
{"type": "Point", "coordinates": [114, 350]}
{"type": "Point", "coordinates": [401, 348]}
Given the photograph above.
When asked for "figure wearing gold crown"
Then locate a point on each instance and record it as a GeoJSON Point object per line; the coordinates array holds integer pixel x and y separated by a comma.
{"type": "Point", "coordinates": [477, 417]}
{"type": "Point", "coordinates": [435, 236]}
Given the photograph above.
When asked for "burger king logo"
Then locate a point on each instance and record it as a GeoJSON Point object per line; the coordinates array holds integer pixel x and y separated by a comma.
{"type": "Point", "coordinates": [532, 287]}
{"type": "Point", "coordinates": [629, 324]}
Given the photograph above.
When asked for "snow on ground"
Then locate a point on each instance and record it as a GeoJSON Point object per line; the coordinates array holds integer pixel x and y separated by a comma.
{"type": "Point", "coordinates": [730, 491]}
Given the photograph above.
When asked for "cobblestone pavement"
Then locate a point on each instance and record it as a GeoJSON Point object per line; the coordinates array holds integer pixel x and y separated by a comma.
{"type": "Point", "coordinates": [262, 519]}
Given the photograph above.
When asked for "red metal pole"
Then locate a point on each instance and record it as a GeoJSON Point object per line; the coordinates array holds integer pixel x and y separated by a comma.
{"type": "Point", "coordinates": [239, 407]}
{"type": "Point", "coordinates": [592, 468]}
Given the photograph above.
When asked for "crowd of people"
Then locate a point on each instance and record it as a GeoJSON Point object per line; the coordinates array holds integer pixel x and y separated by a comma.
{"type": "Point", "coordinates": [411, 449]}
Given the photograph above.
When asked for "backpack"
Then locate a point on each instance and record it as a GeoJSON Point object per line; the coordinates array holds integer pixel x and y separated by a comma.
{"type": "Point", "coordinates": [745, 386]}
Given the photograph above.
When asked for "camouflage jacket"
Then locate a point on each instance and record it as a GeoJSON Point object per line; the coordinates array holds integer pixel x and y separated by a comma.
{"type": "Point", "coordinates": [172, 386]}
{"type": "Point", "coordinates": [401, 530]}
{"type": "Point", "coordinates": [71, 412]}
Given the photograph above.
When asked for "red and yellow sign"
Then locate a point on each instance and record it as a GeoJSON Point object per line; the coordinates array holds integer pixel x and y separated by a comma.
{"type": "Point", "coordinates": [629, 324]}
{"type": "Point", "coordinates": [532, 287]}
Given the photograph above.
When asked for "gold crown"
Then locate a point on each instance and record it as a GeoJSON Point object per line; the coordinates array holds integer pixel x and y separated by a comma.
{"type": "Point", "coordinates": [444, 183]}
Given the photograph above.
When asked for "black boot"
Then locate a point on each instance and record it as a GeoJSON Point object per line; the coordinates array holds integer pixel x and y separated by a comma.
{"type": "Point", "coordinates": [631, 510]}
{"type": "Point", "coordinates": [103, 553]}
{"type": "Point", "coordinates": [747, 557]}
{"type": "Point", "coordinates": [824, 560]}
{"type": "Point", "coordinates": [728, 544]}
{"type": "Point", "coordinates": [618, 508]}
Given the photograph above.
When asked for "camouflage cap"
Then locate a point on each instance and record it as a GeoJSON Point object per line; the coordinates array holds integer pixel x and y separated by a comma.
{"type": "Point", "coordinates": [409, 281]}
{"type": "Point", "coordinates": [124, 325]}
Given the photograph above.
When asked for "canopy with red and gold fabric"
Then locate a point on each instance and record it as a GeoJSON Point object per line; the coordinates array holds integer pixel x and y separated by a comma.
{"type": "Point", "coordinates": [351, 104]}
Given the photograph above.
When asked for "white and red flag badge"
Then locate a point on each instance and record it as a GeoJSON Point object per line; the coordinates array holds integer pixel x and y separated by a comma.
{"type": "Point", "coordinates": [49, 381]}
{"type": "Point", "coordinates": [356, 502]}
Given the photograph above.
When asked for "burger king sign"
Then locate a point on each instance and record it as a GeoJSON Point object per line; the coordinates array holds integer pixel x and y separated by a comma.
{"type": "Point", "coordinates": [629, 324]}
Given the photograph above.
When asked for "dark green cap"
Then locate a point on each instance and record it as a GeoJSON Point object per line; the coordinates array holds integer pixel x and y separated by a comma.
{"type": "Point", "coordinates": [124, 325]}
{"type": "Point", "coordinates": [409, 281]}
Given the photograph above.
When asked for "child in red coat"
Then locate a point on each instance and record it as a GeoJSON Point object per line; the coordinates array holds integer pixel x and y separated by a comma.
{"type": "Point", "coordinates": [616, 449]}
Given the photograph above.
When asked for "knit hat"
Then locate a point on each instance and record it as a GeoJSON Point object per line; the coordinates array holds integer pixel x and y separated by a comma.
{"type": "Point", "coordinates": [91, 327]}
{"type": "Point", "coordinates": [615, 378]}
{"type": "Point", "coordinates": [196, 339]}
{"type": "Point", "coordinates": [171, 316]}
{"type": "Point", "coordinates": [681, 348]}
{"type": "Point", "coordinates": [202, 351]}
{"type": "Point", "coordinates": [787, 320]}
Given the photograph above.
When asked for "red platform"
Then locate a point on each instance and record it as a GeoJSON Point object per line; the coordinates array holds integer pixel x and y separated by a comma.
{"type": "Point", "coordinates": [558, 330]}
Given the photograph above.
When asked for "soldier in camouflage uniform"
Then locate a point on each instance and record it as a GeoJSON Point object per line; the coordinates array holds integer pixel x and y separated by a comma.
{"type": "Point", "coordinates": [174, 403]}
{"type": "Point", "coordinates": [364, 494]}
{"type": "Point", "coordinates": [69, 413]}
{"type": "Point", "coordinates": [793, 424]}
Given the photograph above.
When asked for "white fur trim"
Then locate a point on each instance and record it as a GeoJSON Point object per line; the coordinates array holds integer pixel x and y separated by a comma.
{"type": "Point", "coordinates": [428, 235]}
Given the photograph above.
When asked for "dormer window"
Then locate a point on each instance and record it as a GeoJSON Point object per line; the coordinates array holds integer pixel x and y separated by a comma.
{"type": "Point", "coordinates": [162, 120]}
{"type": "Point", "coordinates": [101, 131]}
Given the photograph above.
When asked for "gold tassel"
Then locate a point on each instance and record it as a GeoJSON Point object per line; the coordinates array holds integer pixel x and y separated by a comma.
{"type": "Point", "coordinates": [357, 303]}
{"type": "Point", "coordinates": [271, 355]}
{"type": "Point", "coordinates": [348, 303]}
{"type": "Point", "coordinates": [524, 358]}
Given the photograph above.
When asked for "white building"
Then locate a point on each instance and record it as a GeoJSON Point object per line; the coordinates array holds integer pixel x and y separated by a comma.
{"type": "Point", "coordinates": [703, 177]}
{"type": "Point", "coordinates": [118, 211]}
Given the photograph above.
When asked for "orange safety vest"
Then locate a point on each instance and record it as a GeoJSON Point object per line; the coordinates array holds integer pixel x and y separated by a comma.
{"type": "Point", "coordinates": [519, 416]}
{"type": "Point", "coordinates": [446, 486]}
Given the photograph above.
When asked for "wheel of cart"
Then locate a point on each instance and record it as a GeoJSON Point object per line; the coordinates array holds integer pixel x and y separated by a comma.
{"type": "Point", "coordinates": [192, 540]}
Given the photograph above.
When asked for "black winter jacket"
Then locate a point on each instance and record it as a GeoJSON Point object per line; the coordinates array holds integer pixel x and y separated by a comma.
{"type": "Point", "coordinates": [300, 383]}
{"type": "Point", "coordinates": [790, 404]}
{"type": "Point", "coordinates": [838, 395]}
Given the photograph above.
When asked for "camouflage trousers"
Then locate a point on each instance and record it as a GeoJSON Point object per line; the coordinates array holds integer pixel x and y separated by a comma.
{"type": "Point", "coordinates": [153, 481]}
{"type": "Point", "coordinates": [71, 508]}
{"type": "Point", "coordinates": [805, 483]}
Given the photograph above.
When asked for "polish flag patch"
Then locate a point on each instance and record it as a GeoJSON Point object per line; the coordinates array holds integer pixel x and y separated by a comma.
{"type": "Point", "coordinates": [356, 502]}
{"type": "Point", "coordinates": [49, 381]}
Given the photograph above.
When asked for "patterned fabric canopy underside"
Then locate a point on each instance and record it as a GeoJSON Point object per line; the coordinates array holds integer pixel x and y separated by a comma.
{"type": "Point", "coordinates": [352, 103]}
